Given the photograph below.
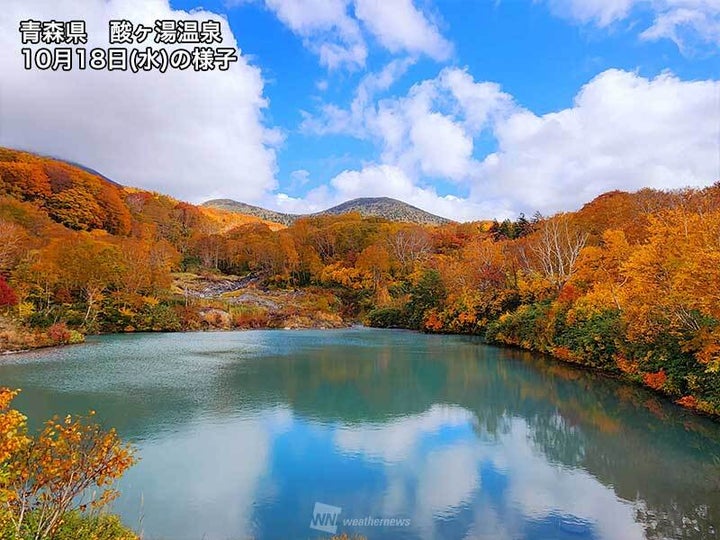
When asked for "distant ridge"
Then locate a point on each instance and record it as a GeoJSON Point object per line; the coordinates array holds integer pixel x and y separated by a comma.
{"type": "Point", "coordinates": [250, 210]}
{"type": "Point", "coordinates": [382, 207]}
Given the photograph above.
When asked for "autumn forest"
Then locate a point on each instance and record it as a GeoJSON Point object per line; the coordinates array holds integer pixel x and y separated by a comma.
{"type": "Point", "coordinates": [629, 284]}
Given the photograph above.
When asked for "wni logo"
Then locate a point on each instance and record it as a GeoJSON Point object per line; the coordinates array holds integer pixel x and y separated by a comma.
{"type": "Point", "coordinates": [325, 518]}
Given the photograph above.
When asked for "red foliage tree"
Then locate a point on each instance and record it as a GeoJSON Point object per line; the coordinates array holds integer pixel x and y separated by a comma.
{"type": "Point", "coordinates": [7, 295]}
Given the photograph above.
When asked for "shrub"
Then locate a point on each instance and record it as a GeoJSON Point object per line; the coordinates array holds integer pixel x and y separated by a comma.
{"type": "Point", "coordinates": [163, 318]}
{"type": "Point", "coordinates": [250, 317]}
{"type": "Point", "coordinates": [59, 333]}
{"type": "Point", "coordinates": [427, 294]}
{"type": "Point", "coordinates": [526, 327]}
{"type": "Point", "coordinates": [43, 478]}
{"type": "Point", "coordinates": [79, 526]}
{"type": "Point", "coordinates": [76, 337]}
{"type": "Point", "coordinates": [386, 318]}
{"type": "Point", "coordinates": [593, 338]}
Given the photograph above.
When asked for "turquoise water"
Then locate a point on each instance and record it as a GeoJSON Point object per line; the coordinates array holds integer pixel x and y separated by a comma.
{"type": "Point", "coordinates": [241, 433]}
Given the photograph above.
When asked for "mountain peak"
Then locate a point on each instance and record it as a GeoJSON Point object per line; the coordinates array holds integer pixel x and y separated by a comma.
{"type": "Point", "coordinates": [382, 207]}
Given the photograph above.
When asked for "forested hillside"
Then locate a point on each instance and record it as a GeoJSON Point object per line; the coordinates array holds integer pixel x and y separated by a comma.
{"type": "Point", "coordinates": [629, 284]}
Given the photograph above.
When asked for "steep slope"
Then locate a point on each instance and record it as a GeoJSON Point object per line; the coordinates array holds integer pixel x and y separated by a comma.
{"type": "Point", "coordinates": [382, 207]}
{"type": "Point", "coordinates": [82, 199]}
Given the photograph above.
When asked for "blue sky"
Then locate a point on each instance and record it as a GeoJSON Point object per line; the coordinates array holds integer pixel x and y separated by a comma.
{"type": "Point", "coordinates": [540, 59]}
{"type": "Point", "coordinates": [536, 54]}
{"type": "Point", "coordinates": [468, 108]}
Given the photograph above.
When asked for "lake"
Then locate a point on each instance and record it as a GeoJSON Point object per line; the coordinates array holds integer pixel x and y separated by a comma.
{"type": "Point", "coordinates": [407, 435]}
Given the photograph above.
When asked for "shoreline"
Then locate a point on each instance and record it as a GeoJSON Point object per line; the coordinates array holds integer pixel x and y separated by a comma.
{"type": "Point", "coordinates": [609, 375]}
{"type": "Point", "coordinates": [561, 361]}
{"type": "Point", "coordinates": [10, 352]}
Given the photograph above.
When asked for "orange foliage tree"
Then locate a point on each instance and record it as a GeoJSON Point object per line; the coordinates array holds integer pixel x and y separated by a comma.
{"type": "Point", "coordinates": [674, 283]}
{"type": "Point", "coordinates": [25, 181]}
{"type": "Point", "coordinates": [70, 465]}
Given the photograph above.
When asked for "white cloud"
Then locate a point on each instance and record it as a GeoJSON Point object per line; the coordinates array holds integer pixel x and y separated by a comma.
{"type": "Point", "coordinates": [241, 454]}
{"type": "Point", "coordinates": [326, 28]}
{"type": "Point", "coordinates": [448, 480]}
{"type": "Point", "coordinates": [385, 181]}
{"type": "Point", "coordinates": [374, 83]}
{"type": "Point", "coordinates": [688, 23]}
{"type": "Point", "coordinates": [406, 127]}
{"type": "Point", "coordinates": [478, 102]}
{"type": "Point", "coordinates": [300, 176]}
{"type": "Point", "coordinates": [192, 134]}
{"type": "Point", "coordinates": [391, 181]}
{"type": "Point", "coordinates": [441, 146]}
{"type": "Point", "coordinates": [538, 488]}
{"type": "Point", "coordinates": [334, 120]}
{"type": "Point", "coordinates": [400, 27]}
{"type": "Point", "coordinates": [603, 12]}
{"type": "Point", "coordinates": [428, 132]}
{"type": "Point", "coordinates": [396, 441]}
{"type": "Point", "coordinates": [331, 28]}
{"type": "Point", "coordinates": [623, 132]}
{"type": "Point", "coordinates": [306, 16]}
{"type": "Point", "coordinates": [431, 476]}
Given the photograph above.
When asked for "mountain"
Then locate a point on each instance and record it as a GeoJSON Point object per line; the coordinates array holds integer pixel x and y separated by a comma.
{"type": "Point", "coordinates": [236, 207]}
{"type": "Point", "coordinates": [44, 189]}
{"type": "Point", "coordinates": [387, 208]}
{"type": "Point", "coordinates": [81, 198]}
{"type": "Point", "coordinates": [382, 207]}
